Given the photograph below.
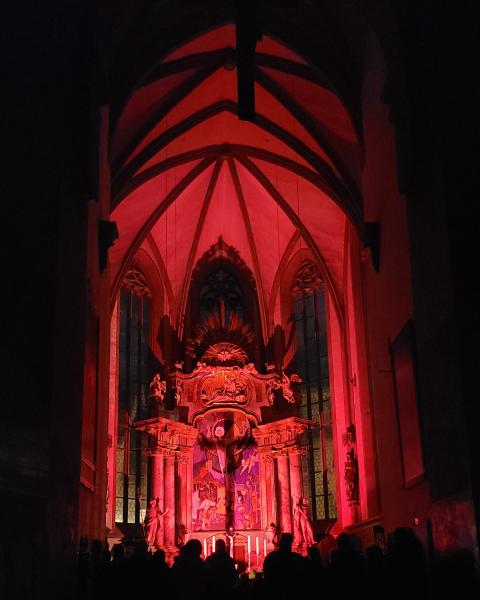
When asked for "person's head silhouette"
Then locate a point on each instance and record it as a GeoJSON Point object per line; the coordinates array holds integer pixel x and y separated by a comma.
{"type": "Point", "coordinates": [286, 542]}
{"type": "Point", "coordinates": [220, 546]}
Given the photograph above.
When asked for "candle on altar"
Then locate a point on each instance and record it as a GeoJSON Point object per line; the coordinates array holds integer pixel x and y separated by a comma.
{"type": "Point", "coordinates": [264, 548]}
{"type": "Point", "coordinates": [205, 547]}
{"type": "Point", "coordinates": [256, 549]}
{"type": "Point", "coordinates": [248, 551]}
{"type": "Point", "coordinates": [213, 544]}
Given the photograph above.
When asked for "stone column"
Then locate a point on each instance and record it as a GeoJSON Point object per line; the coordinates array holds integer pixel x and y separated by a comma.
{"type": "Point", "coordinates": [270, 489]}
{"type": "Point", "coordinates": [158, 488]}
{"type": "Point", "coordinates": [262, 456]}
{"type": "Point", "coordinates": [295, 483]}
{"type": "Point", "coordinates": [189, 492]}
{"type": "Point", "coordinates": [158, 479]}
{"type": "Point", "coordinates": [269, 501]}
{"type": "Point", "coordinates": [169, 519]}
{"type": "Point", "coordinates": [182, 506]}
{"type": "Point", "coordinates": [285, 511]}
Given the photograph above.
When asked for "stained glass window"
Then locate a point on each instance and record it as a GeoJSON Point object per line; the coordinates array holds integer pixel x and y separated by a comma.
{"type": "Point", "coordinates": [312, 366]}
{"type": "Point", "coordinates": [220, 291]}
{"type": "Point", "coordinates": [131, 480]}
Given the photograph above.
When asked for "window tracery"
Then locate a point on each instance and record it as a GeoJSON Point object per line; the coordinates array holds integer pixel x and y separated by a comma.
{"type": "Point", "coordinates": [221, 293]}
{"type": "Point", "coordinates": [311, 362]}
{"type": "Point", "coordinates": [133, 391]}
{"type": "Point", "coordinates": [135, 281]}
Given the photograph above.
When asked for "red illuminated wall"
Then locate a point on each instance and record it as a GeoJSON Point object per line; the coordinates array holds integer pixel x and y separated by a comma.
{"type": "Point", "coordinates": [387, 299]}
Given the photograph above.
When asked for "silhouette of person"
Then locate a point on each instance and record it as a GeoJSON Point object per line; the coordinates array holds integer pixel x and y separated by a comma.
{"type": "Point", "coordinates": [222, 567]}
{"type": "Point", "coordinates": [285, 571]}
{"type": "Point", "coordinates": [191, 577]}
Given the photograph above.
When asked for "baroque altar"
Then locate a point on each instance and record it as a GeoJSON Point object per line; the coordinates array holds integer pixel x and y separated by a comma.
{"type": "Point", "coordinates": [217, 469]}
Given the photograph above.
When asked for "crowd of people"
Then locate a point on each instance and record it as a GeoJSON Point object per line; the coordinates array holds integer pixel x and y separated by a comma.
{"type": "Point", "coordinates": [398, 570]}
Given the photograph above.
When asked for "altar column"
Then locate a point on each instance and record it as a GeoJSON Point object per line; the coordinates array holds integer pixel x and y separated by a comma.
{"type": "Point", "coordinates": [296, 490]}
{"type": "Point", "coordinates": [270, 497]}
{"type": "Point", "coordinates": [169, 518]}
{"type": "Point", "coordinates": [158, 488]}
{"type": "Point", "coordinates": [189, 492]}
{"type": "Point", "coordinates": [284, 491]}
{"type": "Point", "coordinates": [262, 456]}
{"type": "Point", "coordinates": [182, 504]}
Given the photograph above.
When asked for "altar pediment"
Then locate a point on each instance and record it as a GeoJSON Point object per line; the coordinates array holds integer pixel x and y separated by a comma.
{"type": "Point", "coordinates": [218, 386]}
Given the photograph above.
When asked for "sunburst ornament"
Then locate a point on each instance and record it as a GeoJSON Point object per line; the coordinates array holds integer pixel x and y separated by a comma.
{"type": "Point", "coordinates": [225, 353]}
{"type": "Point", "coordinates": [222, 342]}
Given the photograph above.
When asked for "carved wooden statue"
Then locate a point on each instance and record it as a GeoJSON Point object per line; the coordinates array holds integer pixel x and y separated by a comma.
{"type": "Point", "coordinates": [302, 525]}
{"type": "Point", "coordinates": [158, 388]}
{"type": "Point", "coordinates": [153, 522]}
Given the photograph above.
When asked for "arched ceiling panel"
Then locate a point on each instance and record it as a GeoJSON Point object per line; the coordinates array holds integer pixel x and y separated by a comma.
{"type": "Point", "coordinates": [135, 210]}
{"type": "Point", "coordinates": [174, 232]}
{"type": "Point", "coordinates": [224, 37]}
{"type": "Point", "coordinates": [224, 219]}
{"type": "Point", "coordinates": [266, 188]}
{"type": "Point", "coordinates": [321, 103]}
{"type": "Point", "coordinates": [221, 128]}
{"type": "Point", "coordinates": [267, 104]}
{"type": "Point", "coordinates": [271, 228]}
{"type": "Point", "coordinates": [142, 105]}
{"type": "Point", "coordinates": [321, 219]}
{"type": "Point", "coordinates": [220, 85]}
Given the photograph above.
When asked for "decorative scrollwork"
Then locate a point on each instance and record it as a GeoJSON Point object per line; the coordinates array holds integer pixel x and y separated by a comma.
{"type": "Point", "coordinates": [224, 387]}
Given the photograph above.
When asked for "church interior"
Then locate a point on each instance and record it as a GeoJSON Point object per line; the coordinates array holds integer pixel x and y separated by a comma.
{"type": "Point", "coordinates": [237, 301]}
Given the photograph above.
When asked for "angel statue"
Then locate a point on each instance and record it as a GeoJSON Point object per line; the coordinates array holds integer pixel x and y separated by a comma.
{"type": "Point", "coordinates": [158, 388]}
{"type": "Point", "coordinates": [284, 382]}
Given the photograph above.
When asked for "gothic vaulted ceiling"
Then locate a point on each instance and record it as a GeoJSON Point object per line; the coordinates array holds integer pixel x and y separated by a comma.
{"type": "Point", "coordinates": [187, 171]}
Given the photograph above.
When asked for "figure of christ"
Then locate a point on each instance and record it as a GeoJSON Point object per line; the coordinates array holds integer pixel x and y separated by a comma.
{"type": "Point", "coordinates": [230, 536]}
{"type": "Point", "coordinates": [153, 522]}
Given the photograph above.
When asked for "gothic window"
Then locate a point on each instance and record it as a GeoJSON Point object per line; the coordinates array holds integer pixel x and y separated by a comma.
{"type": "Point", "coordinates": [135, 315]}
{"type": "Point", "coordinates": [311, 361]}
{"type": "Point", "coordinates": [221, 293]}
